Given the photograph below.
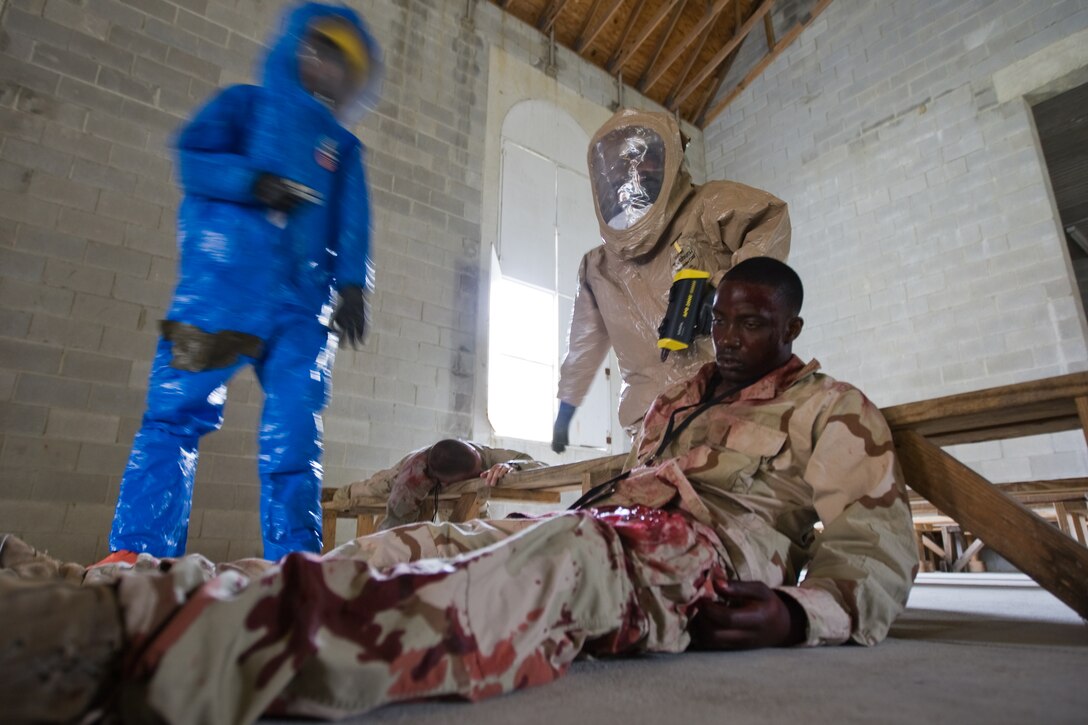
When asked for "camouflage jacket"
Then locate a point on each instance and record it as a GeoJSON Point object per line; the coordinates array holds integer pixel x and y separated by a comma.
{"type": "Point", "coordinates": [407, 485]}
{"type": "Point", "coordinates": [767, 464]}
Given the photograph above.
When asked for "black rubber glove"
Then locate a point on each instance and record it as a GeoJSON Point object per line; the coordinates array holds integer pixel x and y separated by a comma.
{"type": "Point", "coordinates": [352, 316]}
{"type": "Point", "coordinates": [561, 429]}
{"type": "Point", "coordinates": [273, 192]}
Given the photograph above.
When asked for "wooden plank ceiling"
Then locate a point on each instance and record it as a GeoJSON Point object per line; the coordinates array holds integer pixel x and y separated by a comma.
{"type": "Point", "coordinates": [677, 52]}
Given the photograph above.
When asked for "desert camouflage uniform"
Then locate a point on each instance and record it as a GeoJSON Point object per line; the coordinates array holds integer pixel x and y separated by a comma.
{"type": "Point", "coordinates": [350, 631]}
{"type": "Point", "coordinates": [407, 485]}
{"type": "Point", "coordinates": [794, 448]}
{"type": "Point", "coordinates": [490, 606]}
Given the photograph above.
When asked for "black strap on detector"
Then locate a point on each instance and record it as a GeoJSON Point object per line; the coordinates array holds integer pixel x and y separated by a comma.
{"type": "Point", "coordinates": [605, 489]}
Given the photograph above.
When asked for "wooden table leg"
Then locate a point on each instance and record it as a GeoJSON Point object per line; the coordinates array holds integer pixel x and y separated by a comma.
{"type": "Point", "coordinates": [1056, 562]}
{"type": "Point", "coordinates": [968, 555]}
{"type": "Point", "coordinates": [328, 530]}
{"type": "Point", "coordinates": [467, 507]}
{"type": "Point", "coordinates": [936, 549]}
{"type": "Point", "coordinates": [365, 524]}
{"type": "Point", "coordinates": [1082, 413]}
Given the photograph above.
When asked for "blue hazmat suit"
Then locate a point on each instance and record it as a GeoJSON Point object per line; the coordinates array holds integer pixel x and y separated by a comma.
{"type": "Point", "coordinates": [247, 269]}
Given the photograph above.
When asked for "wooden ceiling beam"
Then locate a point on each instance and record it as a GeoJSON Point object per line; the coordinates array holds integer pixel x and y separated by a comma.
{"type": "Point", "coordinates": [662, 42]}
{"type": "Point", "coordinates": [587, 18]}
{"type": "Point", "coordinates": [589, 35]}
{"type": "Point", "coordinates": [549, 15]}
{"type": "Point", "coordinates": [716, 86]}
{"type": "Point", "coordinates": [687, 68]}
{"type": "Point", "coordinates": [627, 28]}
{"type": "Point", "coordinates": [646, 31]}
{"type": "Point", "coordinates": [768, 28]}
{"type": "Point", "coordinates": [724, 51]}
{"type": "Point", "coordinates": [712, 14]}
{"type": "Point", "coordinates": [779, 48]}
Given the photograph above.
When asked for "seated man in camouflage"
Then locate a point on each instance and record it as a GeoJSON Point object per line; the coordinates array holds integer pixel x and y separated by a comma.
{"type": "Point", "coordinates": [701, 544]}
{"type": "Point", "coordinates": [407, 485]}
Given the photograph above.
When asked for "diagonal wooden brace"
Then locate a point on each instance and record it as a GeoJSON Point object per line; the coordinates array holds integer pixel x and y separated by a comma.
{"type": "Point", "coordinates": [1056, 562]}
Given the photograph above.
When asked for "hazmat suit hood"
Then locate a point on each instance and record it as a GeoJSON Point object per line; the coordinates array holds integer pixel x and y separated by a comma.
{"type": "Point", "coordinates": [639, 180]}
{"type": "Point", "coordinates": [281, 65]}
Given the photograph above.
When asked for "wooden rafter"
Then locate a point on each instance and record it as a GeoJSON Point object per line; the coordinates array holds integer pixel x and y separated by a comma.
{"type": "Point", "coordinates": [646, 31]}
{"type": "Point", "coordinates": [724, 51]}
{"type": "Point", "coordinates": [655, 74]}
{"type": "Point", "coordinates": [714, 87]}
{"type": "Point", "coordinates": [768, 28]}
{"type": "Point", "coordinates": [588, 36]}
{"type": "Point", "coordinates": [687, 67]}
{"type": "Point", "coordinates": [588, 18]}
{"type": "Point", "coordinates": [679, 53]}
{"type": "Point", "coordinates": [632, 19]}
{"type": "Point", "coordinates": [779, 48]}
{"type": "Point", "coordinates": [549, 15]}
{"type": "Point", "coordinates": [661, 43]}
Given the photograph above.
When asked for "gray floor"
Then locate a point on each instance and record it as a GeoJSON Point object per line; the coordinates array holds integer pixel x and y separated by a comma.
{"type": "Point", "coordinates": [996, 650]}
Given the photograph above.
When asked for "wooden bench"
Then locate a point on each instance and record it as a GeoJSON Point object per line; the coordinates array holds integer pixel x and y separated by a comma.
{"type": "Point", "coordinates": [943, 544]}
{"type": "Point", "coordinates": [1053, 559]}
{"type": "Point", "coordinates": [462, 501]}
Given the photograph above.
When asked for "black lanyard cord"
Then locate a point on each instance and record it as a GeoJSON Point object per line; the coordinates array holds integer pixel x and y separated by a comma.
{"type": "Point", "coordinates": [671, 434]}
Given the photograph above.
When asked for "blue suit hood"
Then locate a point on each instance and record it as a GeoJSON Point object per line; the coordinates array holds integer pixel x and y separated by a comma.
{"type": "Point", "coordinates": [280, 70]}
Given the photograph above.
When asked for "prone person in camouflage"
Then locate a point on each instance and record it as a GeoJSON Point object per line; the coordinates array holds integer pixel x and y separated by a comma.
{"type": "Point", "coordinates": [407, 485]}
{"type": "Point", "coordinates": [700, 545]}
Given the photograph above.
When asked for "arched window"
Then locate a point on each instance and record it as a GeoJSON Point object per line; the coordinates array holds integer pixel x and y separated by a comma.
{"type": "Point", "coordinates": [546, 224]}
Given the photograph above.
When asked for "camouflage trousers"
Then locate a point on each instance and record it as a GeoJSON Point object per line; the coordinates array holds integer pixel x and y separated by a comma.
{"type": "Point", "coordinates": [470, 610]}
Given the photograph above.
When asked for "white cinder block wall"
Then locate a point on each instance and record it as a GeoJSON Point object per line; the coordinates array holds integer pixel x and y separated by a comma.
{"type": "Point", "coordinates": [923, 224]}
{"type": "Point", "coordinates": [90, 93]}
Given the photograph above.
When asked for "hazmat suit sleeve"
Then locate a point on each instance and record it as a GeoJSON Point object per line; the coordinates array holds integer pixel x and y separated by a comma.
{"type": "Point", "coordinates": [587, 343]}
{"type": "Point", "coordinates": [211, 147]}
{"type": "Point", "coordinates": [353, 266]}
{"type": "Point", "coordinates": [749, 222]}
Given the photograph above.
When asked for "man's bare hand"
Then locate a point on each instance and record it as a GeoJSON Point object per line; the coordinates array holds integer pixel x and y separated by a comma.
{"type": "Point", "coordinates": [748, 615]}
{"type": "Point", "coordinates": [496, 473]}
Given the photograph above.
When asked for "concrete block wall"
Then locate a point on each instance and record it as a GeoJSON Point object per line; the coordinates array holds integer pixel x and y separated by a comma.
{"type": "Point", "coordinates": [923, 224]}
{"type": "Point", "coordinates": [90, 93]}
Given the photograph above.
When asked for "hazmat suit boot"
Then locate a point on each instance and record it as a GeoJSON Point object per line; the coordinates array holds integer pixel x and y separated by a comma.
{"type": "Point", "coordinates": [655, 222]}
{"type": "Point", "coordinates": [60, 647]}
{"type": "Point", "coordinates": [19, 559]}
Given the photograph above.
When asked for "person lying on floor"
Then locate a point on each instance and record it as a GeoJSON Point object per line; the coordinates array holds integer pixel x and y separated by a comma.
{"type": "Point", "coordinates": [422, 473]}
{"type": "Point", "coordinates": [699, 545]}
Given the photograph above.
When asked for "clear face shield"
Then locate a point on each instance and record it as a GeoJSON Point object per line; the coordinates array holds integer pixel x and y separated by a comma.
{"type": "Point", "coordinates": [628, 173]}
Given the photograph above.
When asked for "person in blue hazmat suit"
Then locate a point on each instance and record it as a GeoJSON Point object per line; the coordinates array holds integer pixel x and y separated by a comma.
{"type": "Point", "coordinates": [274, 235]}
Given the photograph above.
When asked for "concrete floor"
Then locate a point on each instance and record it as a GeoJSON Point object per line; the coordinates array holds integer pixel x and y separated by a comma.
{"type": "Point", "coordinates": [990, 649]}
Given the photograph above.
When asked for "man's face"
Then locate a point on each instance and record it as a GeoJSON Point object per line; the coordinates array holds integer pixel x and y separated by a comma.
{"type": "Point", "coordinates": [752, 329]}
{"type": "Point", "coordinates": [323, 70]}
{"type": "Point", "coordinates": [628, 171]}
{"type": "Point", "coordinates": [447, 479]}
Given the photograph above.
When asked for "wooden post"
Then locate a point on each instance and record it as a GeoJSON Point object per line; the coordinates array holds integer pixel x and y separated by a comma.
{"type": "Point", "coordinates": [1082, 413]}
{"type": "Point", "coordinates": [328, 530]}
{"type": "Point", "coordinates": [467, 507]}
{"type": "Point", "coordinates": [1056, 562]}
{"type": "Point", "coordinates": [365, 524]}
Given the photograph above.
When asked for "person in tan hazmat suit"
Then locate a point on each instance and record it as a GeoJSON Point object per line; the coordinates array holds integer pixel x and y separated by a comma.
{"type": "Point", "coordinates": [654, 223]}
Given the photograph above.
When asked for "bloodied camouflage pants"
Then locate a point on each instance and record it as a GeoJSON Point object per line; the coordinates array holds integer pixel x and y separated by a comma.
{"type": "Point", "coordinates": [473, 610]}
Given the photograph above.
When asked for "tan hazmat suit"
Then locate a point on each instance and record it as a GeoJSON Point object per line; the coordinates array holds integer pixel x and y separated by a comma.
{"type": "Point", "coordinates": [636, 166]}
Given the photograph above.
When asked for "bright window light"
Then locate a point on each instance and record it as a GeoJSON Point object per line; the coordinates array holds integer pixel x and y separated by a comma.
{"type": "Point", "coordinates": [522, 371]}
